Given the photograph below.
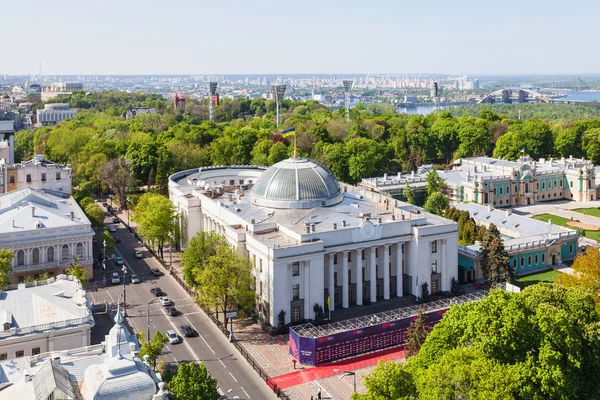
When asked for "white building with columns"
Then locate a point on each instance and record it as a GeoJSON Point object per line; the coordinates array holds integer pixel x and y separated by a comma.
{"type": "Point", "coordinates": [310, 238]}
{"type": "Point", "coordinates": [47, 232]}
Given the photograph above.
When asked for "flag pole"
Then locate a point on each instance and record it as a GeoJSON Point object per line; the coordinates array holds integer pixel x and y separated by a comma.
{"type": "Point", "coordinates": [295, 155]}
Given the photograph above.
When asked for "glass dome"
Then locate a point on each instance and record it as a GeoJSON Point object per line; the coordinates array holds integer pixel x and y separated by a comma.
{"type": "Point", "coordinates": [296, 183]}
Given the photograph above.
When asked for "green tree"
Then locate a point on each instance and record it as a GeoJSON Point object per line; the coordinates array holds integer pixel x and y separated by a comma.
{"type": "Point", "coordinates": [277, 152]}
{"type": "Point", "coordinates": [85, 202]}
{"type": "Point", "coordinates": [541, 343]}
{"type": "Point", "coordinates": [408, 194]}
{"type": "Point", "coordinates": [225, 283]}
{"type": "Point", "coordinates": [416, 334]}
{"type": "Point", "coordinates": [109, 241]}
{"type": "Point", "coordinates": [6, 258]}
{"type": "Point", "coordinates": [388, 380]}
{"type": "Point", "coordinates": [163, 170]}
{"type": "Point", "coordinates": [152, 348]}
{"type": "Point", "coordinates": [493, 257]}
{"type": "Point", "coordinates": [435, 183]}
{"type": "Point", "coordinates": [194, 382]}
{"type": "Point", "coordinates": [116, 175]}
{"type": "Point", "coordinates": [591, 145]}
{"type": "Point", "coordinates": [156, 217]}
{"type": "Point", "coordinates": [436, 203]}
{"type": "Point", "coordinates": [197, 253]}
{"type": "Point", "coordinates": [95, 215]}
{"type": "Point", "coordinates": [587, 274]}
{"type": "Point", "coordinates": [78, 272]}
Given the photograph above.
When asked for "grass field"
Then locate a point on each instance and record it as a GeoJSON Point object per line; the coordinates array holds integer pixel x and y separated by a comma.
{"type": "Point", "coordinates": [561, 221]}
{"type": "Point", "coordinates": [593, 211]}
{"type": "Point", "coordinates": [546, 276]}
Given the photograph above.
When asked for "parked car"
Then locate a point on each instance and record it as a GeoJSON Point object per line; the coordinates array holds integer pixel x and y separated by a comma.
{"type": "Point", "coordinates": [116, 220]}
{"type": "Point", "coordinates": [117, 238]}
{"type": "Point", "coordinates": [187, 331]}
{"type": "Point", "coordinates": [156, 291]}
{"type": "Point", "coordinates": [164, 300]}
{"type": "Point", "coordinates": [105, 204]}
{"type": "Point", "coordinates": [156, 272]}
{"type": "Point", "coordinates": [173, 338]}
{"type": "Point", "coordinates": [119, 260]}
{"type": "Point", "coordinates": [112, 229]}
{"type": "Point", "coordinates": [138, 254]}
{"type": "Point", "coordinates": [115, 278]}
{"type": "Point", "coordinates": [172, 311]}
{"type": "Point", "coordinates": [134, 278]}
{"type": "Point", "coordinates": [109, 208]}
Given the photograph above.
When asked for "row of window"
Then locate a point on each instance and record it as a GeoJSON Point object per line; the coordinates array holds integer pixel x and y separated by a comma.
{"type": "Point", "coordinates": [536, 260]}
{"type": "Point", "coordinates": [35, 254]}
{"type": "Point", "coordinates": [20, 353]}
{"type": "Point", "coordinates": [335, 255]}
{"type": "Point", "coordinates": [11, 179]}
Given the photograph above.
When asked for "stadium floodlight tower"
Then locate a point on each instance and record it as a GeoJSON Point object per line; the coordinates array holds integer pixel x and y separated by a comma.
{"type": "Point", "coordinates": [212, 88]}
{"type": "Point", "coordinates": [347, 87]}
{"type": "Point", "coordinates": [278, 92]}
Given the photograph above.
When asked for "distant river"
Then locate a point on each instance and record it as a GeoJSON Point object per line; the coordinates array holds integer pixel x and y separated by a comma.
{"type": "Point", "coordinates": [578, 96]}
{"type": "Point", "coordinates": [420, 110]}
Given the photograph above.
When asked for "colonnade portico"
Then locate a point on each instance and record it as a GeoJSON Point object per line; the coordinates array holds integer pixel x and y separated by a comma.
{"type": "Point", "coordinates": [376, 262]}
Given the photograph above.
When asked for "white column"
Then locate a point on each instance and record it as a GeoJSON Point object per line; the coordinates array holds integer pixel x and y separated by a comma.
{"type": "Point", "coordinates": [373, 265]}
{"type": "Point", "coordinates": [345, 282]}
{"type": "Point", "coordinates": [359, 279]}
{"type": "Point", "coordinates": [444, 267]}
{"type": "Point", "coordinates": [386, 272]}
{"type": "Point", "coordinates": [399, 270]}
{"type": "Point", "coordinates": [308, 312]}
{"type": "Point", "coordinates": [331, 283]}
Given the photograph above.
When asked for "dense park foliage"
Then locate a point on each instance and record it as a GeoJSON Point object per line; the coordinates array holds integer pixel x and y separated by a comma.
{"type": "Point", "coordinates": [539, 344]}
{"type": "Point", "coordinates": [107, 150]}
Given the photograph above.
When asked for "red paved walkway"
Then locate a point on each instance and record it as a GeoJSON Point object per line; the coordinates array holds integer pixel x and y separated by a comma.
{"type": "Point", "coordinates": [324, 371]}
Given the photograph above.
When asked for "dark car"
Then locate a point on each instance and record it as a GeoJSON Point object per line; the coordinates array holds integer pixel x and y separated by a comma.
{"type": "Point", "coordinates": [108, 208]}
{"type": "Point", "coordinates": [156, 272]}
{"type": "Point", "coordinates": [117, 239]}
{"type": "Point", "coordinates": [116, 220]}
{"type": "Point", "coordinates": [187, 331]}
{"type": "Point", "coordinates": [105, 204]}
{"type": "Point", "coordinates": [172, 311]}
{"type": "Point", "coordinates": [156, 291]}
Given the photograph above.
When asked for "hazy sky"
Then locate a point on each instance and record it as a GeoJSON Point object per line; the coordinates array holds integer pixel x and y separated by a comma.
{"type": "Point", "coordinates": [303, 36]}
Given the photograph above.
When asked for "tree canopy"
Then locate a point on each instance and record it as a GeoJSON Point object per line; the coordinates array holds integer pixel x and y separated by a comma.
{"type": "Point", "coordinates": [587, 274]}
{"type": "Point", "coordinates": [6, 257]}
{"type": "Point", "coordinates": [494, 257]}
{"type": "Point", "coordinates": [541, 343]}
{"type": "Point", "coordinates": [193, 382]}
{"type": "Point", "coordinates": [156, 219]}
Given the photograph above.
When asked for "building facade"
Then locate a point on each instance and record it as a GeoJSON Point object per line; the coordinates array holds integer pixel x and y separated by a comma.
{"type": "Point", "coordinates": [38, 173]}
{"type": "Point", "coordinates": [501, 183]}
{"type": "Point", "coordinates": [52, 315]}
{"type": "Point", "coordinates": [133, 111]}
{"type": "Point", "coordinates": [311, 239]}
{"type": "Point", "coordinates": [47, 232]}
{"type": "Point", "coordinates": [532, 245]}
{"type": "Point", "coordinates": [52, 114]}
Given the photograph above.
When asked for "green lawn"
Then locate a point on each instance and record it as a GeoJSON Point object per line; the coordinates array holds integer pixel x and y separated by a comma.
{"type": "Point", "coordinates": [594, 212]}
{"type": "Point", "coordinates": [563, 222]}
{"type": "Point", "coordinates": [546, 276]}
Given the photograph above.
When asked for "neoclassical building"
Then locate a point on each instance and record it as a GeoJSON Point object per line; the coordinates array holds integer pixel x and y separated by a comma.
{"type": "Point", "coordinates": [47, 232]}
{"type": "Point", "coordinates": [502, 183]}
{"type": "Point", "coordinates": [310, 237]}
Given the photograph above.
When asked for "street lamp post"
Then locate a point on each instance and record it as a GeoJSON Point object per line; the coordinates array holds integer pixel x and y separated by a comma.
{"type": "Point", "coordinates": [104, 261]}
{"type": "Point", "coordinates": [350, 373]}
{"type": "Point", "coordinates": [170, 260]}
{"type": "Point", "coordinates": [124, 292]}
{"type": "Point", "coordinates": [127, 203]}
{"type": "Point", "coordinates": [148, 319]}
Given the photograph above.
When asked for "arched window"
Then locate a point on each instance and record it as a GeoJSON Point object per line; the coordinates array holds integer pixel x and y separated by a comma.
{"type": "Point", "coordinates": [20, 257]}
{"type": "Point", "coordinates": [36, 256]}
{"type": "Point", "coordinates": [65, 252]}
{"type": "Point", "coordinates": [50, 254]}
{"type": "Point", "coordinates": [79, 250]}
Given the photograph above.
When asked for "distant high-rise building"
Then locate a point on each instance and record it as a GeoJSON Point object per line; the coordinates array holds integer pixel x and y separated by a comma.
{"type": "Point", "coordinates": [179, 102]}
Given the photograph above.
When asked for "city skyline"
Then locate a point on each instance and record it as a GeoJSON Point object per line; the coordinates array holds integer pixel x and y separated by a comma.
{"type": "Point", "coordinates": [144, 38]}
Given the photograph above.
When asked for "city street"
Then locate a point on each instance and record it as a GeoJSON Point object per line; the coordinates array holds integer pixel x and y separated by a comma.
{"type": "Point", "coordinates": [210, 346]}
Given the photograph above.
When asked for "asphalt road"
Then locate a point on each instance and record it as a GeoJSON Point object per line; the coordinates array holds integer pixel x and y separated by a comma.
{"type": "Point", "coordinates": [210, 346]}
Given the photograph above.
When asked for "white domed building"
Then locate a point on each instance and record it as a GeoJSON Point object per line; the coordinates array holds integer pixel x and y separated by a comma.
{"type": "Point", "coordinates": [310, 237]}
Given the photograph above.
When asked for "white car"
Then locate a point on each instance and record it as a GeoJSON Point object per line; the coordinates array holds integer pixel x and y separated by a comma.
{"type": "Point", "coordinates": [135, 279]}
{"type": "Point", "coordinates": [173, 338]}
{"type": "Point", "coordinates": [138, 254]}
{"type": "Point", "coordinates": [112, 228]}
{"type": "Point", "coordinates": [164, 300]}
{"type": "Point", "coordinates": [115, 278]}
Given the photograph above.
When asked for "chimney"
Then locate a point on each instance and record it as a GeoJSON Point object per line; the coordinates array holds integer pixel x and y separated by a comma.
{"type": "Point", "coordinates": [393, 217]}
{"type": "Point", "coordinates": [385, 177]}
{"type": "Point", "coordinates": [334, 226]}
{"type": "Point", "coordinates": [490, 208]}
{"type": "Point", "coordinates": [32, 211]}
{"type": "Point", "coordinates": [508, 212]}
{"type": "Point", "coordinates": [380, 220]}
{"type": "Point", "coordinates": [550, 221]}
{"type": "Point", "coordinates": [313, 227]}
{"type": "Point", "coordinates": [252, 221]}
{"type": "Point", "coordinates": [72, 215]}
{"type": "Point", "coordinates": [307, 228]}
{"type": "Point", "coordinates": [344, 223]}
